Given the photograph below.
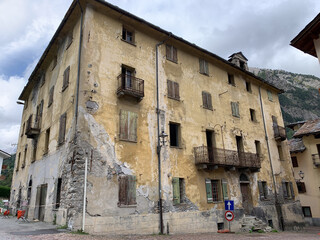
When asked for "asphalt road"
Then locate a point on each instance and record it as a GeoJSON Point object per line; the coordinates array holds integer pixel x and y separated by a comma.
{"type": "Point", "coordinates": [10, 229]}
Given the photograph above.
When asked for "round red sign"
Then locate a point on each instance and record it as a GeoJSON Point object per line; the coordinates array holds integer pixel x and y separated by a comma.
{"type": "Point", "coordinates": [229, 215]}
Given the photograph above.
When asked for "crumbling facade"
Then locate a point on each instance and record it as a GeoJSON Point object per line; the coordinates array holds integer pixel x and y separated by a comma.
{"type": "Point", "coordinates": [118, 111]}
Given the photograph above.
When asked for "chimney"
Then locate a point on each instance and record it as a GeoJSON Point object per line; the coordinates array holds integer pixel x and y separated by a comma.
{"type": "Point", "coordinates": [239, 60]}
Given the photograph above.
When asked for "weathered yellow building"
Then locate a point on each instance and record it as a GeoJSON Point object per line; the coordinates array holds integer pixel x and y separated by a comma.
{"type": "Point", "coordinates": [305, 152]}
{"type": "Point", "coordinates": [119, 112]}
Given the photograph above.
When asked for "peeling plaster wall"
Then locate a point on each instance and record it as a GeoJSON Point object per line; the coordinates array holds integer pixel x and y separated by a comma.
{"type": "Point", "coordinates": [97, 136]}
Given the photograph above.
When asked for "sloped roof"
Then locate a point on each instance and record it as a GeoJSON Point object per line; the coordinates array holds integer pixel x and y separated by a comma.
{"type": "Point", "coordinates": [238, 53]}
{"type": "Point", "coordinates": [102, 3]}
{"type": "Point", "coordinates": [304, 40]}
{"type": "Point", "coordinates": [310, 127]}
{"type": "Point", "coordinates": [296, 145]}
{"type": "Point", "coordinates": [4, 154]}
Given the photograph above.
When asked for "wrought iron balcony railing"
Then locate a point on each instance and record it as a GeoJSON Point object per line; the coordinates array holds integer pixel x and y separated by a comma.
{"type": "Point", "coordinates": [131, 86]}
{"type": "Point", "coordinates": [316, 160]}
{"type": "Point", "coordinates": [32, 128]}
{"type": "Point", "coordinates": [226, 158]}
{"type": "Point", "coordinates": [279, 133]}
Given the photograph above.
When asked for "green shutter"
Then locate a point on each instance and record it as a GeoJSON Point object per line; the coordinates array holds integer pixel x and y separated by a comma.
{"type": "Point", "coordinates": [176, 190]}
{"type": "Point", "coordinates": [131, 190]}
{"type": "Point", "coordinates": [224, 189]}
{"type": "Point", "coordinates": [132, 128]}
{"type": "Point", "coordinates": [260, 190]}
{"type": "Point", "coordinates": [123, 125]}
{"type": "Point", "coordinates": [209, 191]}
{"type": "Point", "coordinates": [291, 189]}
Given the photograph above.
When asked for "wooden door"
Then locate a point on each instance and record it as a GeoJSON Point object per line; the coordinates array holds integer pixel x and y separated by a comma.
{"type": "Point", "coordinates": [43, 196]}
{"type": "Point", "coordinates": [246, 197]}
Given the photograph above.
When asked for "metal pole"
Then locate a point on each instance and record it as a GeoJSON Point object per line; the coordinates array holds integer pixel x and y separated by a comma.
{"type": "Point", "coordinates": [277, 204]}
{"type": "Point", "coordinates": [84, 194]}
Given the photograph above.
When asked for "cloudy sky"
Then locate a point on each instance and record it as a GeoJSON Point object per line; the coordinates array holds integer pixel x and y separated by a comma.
{"type": "Point", "coordinates": [262, 30]}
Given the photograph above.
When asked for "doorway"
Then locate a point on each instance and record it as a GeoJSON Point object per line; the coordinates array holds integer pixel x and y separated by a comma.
{"type": "Point", "coordinates": [41, 202]}
{"type": "Point", "coordinates": [211, 144]}
{"type": "Point", "coordinates": [246, 194]}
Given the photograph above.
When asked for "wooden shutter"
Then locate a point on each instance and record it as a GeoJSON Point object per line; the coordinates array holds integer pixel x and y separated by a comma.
{"type": "Point", "coordinates": [233, 109]}
{"type": "Point", "coordinates": [168, 52]}
{"type": "Point", "coordinates": [274, 121]}
{"type": "Point", "coordinates": [131, 190]}
{"type": "Point", "coordinates": [204, 100]}
{"type": "Point", "coordinates": [170, 88]}
{"type": "Point", "coordinates": [132, 133]}
{"type": "Point", "coordinates": [122, 190]}
{"type": "Point", "coordinates": [175, 54]}
{"type": "Point", "coordinates": [303, 187]}
{"type": "Point", "coordinates": [209, 191]}
{"type": "Point", "coordinates": [206, 67]}
{"type": "Point", "coordinates": [284, 189]}
{"type": "Point", "coordinates": [209, 101]}
{"type": "Point", "coordinates": [201, 65]}
{"type": "Point", "coordinates": [224, 185]}
{"type": "Point", "coordinates": [62, 129]}
{"type": "Point", "coordinates": [66, 78]}
{"type": "Point", "coordinates": [291, 190]}
{"type": "Point", "coordinates": [51, 96]}
{"type": "Point", "coordinates": [237, 109]}
{"type": "Point", "coordinates": [260, 186]}
{"type": "Point", "coordinates": [123, 124]}
{"type": "Point", "coordinates": [176, 90]}
{"type": "Point", "coordinates": [176, 190]}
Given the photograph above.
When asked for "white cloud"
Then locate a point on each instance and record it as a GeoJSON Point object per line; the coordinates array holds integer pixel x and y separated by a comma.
{"type": "Point", "coordinates": [10, 111]}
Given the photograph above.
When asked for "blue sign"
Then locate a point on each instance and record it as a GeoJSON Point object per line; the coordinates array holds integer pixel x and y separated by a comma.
{"type": "Point", "coordinates": [229, 205]}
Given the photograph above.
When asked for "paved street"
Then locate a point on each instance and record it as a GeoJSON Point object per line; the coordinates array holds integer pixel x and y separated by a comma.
{"type": "Point", "coordinates": [12, 230]}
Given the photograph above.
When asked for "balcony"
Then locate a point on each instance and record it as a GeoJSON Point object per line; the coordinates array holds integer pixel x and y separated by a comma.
{"type": "Point", "coordinates": [279, 133]}
{"type": "Point", "coordinates": [33, 128]}
{"type": "Point", "coordinates": [129, 85]}
{"type": "Point", "coordinates": [316, 160]}
{"type": "Point", "coordinates": [212, 158]}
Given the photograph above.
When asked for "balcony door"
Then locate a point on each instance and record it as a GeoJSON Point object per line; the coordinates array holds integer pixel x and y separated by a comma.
{"type": "Point", "coordinates": [211, 144]}
{"type": "Point", "coordinates": [246, 194]}
{"type": "Point", "coordinates": [127, 77]}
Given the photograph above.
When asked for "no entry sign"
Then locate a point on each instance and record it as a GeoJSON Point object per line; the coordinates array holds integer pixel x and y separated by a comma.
{"type": "Point", "coordinates": [229, 215]}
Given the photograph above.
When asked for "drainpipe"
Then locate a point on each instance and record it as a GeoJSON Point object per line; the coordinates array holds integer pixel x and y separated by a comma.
{"type": "Point", "coordinates": [78, 75]}
{"type": "Point", "coordinates": [277, 204]}
{"type": "Point", "coordinates": [84, 194]}
{"type": "Point", "coordinates": [158, 135]}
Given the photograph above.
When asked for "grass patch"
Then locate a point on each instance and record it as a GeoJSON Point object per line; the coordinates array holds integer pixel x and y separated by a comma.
{"type": "Point", "coordinates": [274, 230]}
{"type": "Point", "coordinates": [80, 232]}
{"type": "Point", "coordinates": [62, 227]}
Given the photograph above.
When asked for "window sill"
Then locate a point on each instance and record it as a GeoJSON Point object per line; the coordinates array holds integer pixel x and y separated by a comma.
{"type": "Point", "coordinates": [176, 147]}
{"type": "Point", "coordinates": [216, 202]}
{"type": "Point", "coordinates": [176, 62]}
{"type": "Point", "coordinates": [232, 84]}
{"type": "Point", "coordinates": [236, 116]}
{"type": "Point", "coordinates": [173, 98]}
{"type": "Point", "coordinates": [131, 43]}
{"type": "Point", "coordinates": [206, 74]}
{"type": "Point", "coordinates": [127, 206]}
{"type": "Point", "coordinates": [211, 109]}
{"type": "Point", "coordinates": [126, 140]}
{"type": "Point", "coordinates": [65, 87]}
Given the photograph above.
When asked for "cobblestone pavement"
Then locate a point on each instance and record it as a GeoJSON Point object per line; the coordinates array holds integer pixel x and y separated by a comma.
{"type": "Point", "coordinates": [12, 230]}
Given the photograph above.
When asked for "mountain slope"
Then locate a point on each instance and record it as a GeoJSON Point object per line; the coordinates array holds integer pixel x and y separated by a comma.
{"type": "Point", "coordinates": [301, 100]}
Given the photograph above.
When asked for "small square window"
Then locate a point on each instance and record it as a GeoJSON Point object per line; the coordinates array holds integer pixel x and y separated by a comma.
{"type": "Point", "coordinates": [248, 87]}
{"type": "Point", "coordinates": [173, 90]}
{"type": "Point", "coordinates": [253, 115]}
{"type": "Point", "coordinates": [213, 189]}
{"type": "Point", "coordinates": [270, 97]}
{"type": "Point", "coordinates": [127, 35]}
{"type": "Point", "coordinates": [171, 53]}
{"type": "Point", "coordinates": [287, 188]}
{"type": "Point", "coordinates": [231, 79]}
{"type": "Point", "coordinates": [306, 211]}
{"type": "Point", "coordinates": [174, 134]}
{"type": "Point", "coordinates": [294, 161]}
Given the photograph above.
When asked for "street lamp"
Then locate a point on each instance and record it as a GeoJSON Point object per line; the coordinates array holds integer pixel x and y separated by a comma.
{"type": "Point", "coordinates": [301, 175]}
{"type": "Point", "coordinates": [163, 137]}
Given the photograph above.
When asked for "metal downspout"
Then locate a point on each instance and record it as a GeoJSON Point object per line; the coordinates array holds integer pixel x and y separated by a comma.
{"type": "Point", "coordinates": [278, 206]}
{"type": "Point", "coordinates": [78, 75]}
{"type": "Point", "coordinates": [158, 135]}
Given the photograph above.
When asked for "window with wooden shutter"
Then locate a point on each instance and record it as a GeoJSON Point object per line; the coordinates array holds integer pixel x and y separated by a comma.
{"type": "Point", "coordinates": [128, 126]}
{"type": "Point", "coordinates": [209, 191]}
{"type": "Point", "coordinates": [62, 128]}
{"type": "Point", "coordinates": [204, 68]}
{"type": "Point", "coordinates": [235, 109]}
{"type": "Point", "coordinates": [206, 100]}
{"type": "Point", "coordinates": [171, 53]}
{"type": "Point", "coordinates": [66, 74]}
{"type": "Point", "coordinates": [69, 40]}
{"type": "Point", "coordinates": [176, 190]}
{"type": "Point", "coordinates": [270, 95]}
{"type": "Point", "coordinates": [301, 187]}
{"type": "Point", "coordinates": [173, 90]}
{"type": "Point", "coordinates": [127, 190]}
{"type": "Point", "coordinates": [291, 190]}
{"type": "Point", "coordinates": [294, 161]}
{"type": "Point", "coordinates": [224, 185]}
{"type": "Point", "coordinates": [231, 79]}
{"type": "Point", "coordinates": [285, 190]}
{"type": "Point", "coordinates": [51, 92]}
{"type": "Point", "coordinates": [128, 35]}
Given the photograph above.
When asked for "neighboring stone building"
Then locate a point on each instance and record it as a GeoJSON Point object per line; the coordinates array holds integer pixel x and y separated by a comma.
{"type": "Point", "coordinates": [108, 84]}
{"type": "Point", "coordinates": [305, 152]}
